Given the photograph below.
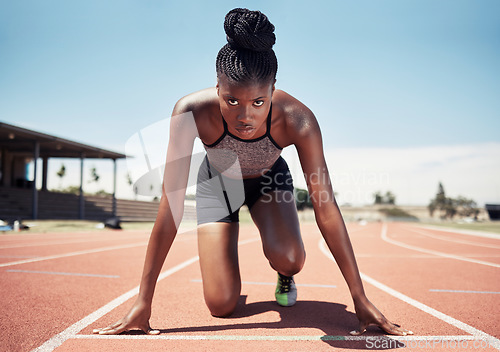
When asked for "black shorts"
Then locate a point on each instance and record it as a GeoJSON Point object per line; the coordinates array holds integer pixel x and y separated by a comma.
{"type": "Point", "coordinates": [219, 198]}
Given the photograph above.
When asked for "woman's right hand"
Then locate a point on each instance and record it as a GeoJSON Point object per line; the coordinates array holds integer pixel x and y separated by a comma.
{"type": "Point", "coordinates": [137, 318]}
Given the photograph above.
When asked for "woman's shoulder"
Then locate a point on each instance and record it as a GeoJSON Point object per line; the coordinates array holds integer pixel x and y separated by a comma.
{"type": "Point", "coordinates": [198, 103]}
{"type": "Point", "coordinates": [297, 118]}
{"type": "Point", "coordinates": [202, 108]}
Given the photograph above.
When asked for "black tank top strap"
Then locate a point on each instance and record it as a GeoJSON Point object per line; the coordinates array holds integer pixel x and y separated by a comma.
{"type": "Point", "coordinates": [221, 137]}
{"type": "Point", "coordinates": [268, 123]}
{"type": "Point", "coordinates": [225, 124]}
{"type": "Point", "coordinates": [268, 132]}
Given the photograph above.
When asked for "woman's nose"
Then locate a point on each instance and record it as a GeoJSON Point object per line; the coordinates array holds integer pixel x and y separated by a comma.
{"type": "Point", "coordinates": [245, 116]}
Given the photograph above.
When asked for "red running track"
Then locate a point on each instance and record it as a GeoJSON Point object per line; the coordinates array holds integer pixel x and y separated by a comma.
{"type": "Point", "coordinates": [444, 286]}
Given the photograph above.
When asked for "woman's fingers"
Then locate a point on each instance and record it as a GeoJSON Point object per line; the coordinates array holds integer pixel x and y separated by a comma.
{"type": "Point", "coordinates": [113, 326]}
{"type": "Point", "coordinates": [116, 329]}
{"type": "Point", "coordinates": [395, 329]}
{"type": "Point", "coordinates": [153, 332]}
{"type": "Point", "coordinates": [361, 331]}
{"type": "Point", "coordinates": [387, 326]}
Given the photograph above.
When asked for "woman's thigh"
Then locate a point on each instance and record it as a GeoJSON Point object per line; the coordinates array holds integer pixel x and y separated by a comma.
{"type": "Point", "coordinates": [275, 215]}
{"type": "Point", "coordinates": [218, 251]}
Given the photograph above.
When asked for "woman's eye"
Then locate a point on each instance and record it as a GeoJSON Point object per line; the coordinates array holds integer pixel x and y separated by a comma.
{"type": "Point", "coordinates": [258, 103]}
{"type": "Point", "coordinates": [232, 102]}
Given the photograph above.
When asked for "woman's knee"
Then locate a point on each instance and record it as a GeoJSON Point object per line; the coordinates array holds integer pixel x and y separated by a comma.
{"type": "Point", "coordinates": [222, 303]}
{"type": "Point", "coordinates": [288, 260]}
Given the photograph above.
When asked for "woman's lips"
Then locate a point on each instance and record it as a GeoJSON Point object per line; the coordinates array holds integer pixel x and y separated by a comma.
{"type": "Point", "coordinates": [245, 130]}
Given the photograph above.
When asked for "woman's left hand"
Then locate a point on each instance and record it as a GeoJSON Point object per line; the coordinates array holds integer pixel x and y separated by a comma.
{"type": "Point", "coordinates": [368, 314]}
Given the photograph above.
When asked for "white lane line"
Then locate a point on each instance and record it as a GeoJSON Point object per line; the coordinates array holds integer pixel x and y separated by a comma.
{"type": "Point", "coordinates": [119, 237]}
{"type": "Point", "coordinates": [426, 256]}
{"type": "Point", "coordinates": [401, 339]}
{"type": "Point", "coordinates": [484, 234]}
{"type": "Point", "coordinates": [61, 273]}
{"type": "Point", "coordinates": [72, 254]}
{"type": "Point", "coordinates": [455, 240]}
{"type": "Point", "coordinates": [74, 329]}
{"type": "Point", "coordinates": [464, 291]}
{"type": "Point", "coordinates": [274, 284]}
{"type": "Point", "coordinates": [476, 333]}
{"type": "Point", "coordinates": [384, 236]}
{"type": "Point", "coordinates": [55, 243]}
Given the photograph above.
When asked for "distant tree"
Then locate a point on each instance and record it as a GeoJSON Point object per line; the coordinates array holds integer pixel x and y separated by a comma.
{"type": "Point", "coordinates": [440, 196]}
{"type": "Point", "coordinates": [61, 173]}
{"type": "Point", "coordinates": [302, 199]}
{"type": "Point", "coordinates": [439, 202]}
{"type": "Point", "coordinates": [71, 189]}
{"type": "Point", "coordinates": [390, 198]}
{"type": "Point", "coordinates": [387, 198]}
{"type": "Point", "coordinates": [449, 207]}
{"type": "Point", "coordinates": [94, 177]}
{"type": "Point", "coordinates": [129, 179]}
{"type": "Point", "coordinates": [467, 207]}
{"type": "Point", "coordinates": [102, 193]}
{"type": "Point", "coordinates": [131, 183]}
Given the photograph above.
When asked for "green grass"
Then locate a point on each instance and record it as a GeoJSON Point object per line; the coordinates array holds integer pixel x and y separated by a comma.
{"type": "Point", "coordinates": [396, 212]}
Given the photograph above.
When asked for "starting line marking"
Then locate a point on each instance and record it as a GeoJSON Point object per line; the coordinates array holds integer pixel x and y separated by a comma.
{"type": "Point", "coordinates": [281, 337]}
{"type": "Point", "coordinates": [72, 331]}
{"type": "Point", "coordinates": [61, 273]}
{"type": "Point", "coordinates": [274, 284]}
{"type": "Point", "coordinates": [464, 291]}
{"type": "Point", "coordinates": [476, 333]}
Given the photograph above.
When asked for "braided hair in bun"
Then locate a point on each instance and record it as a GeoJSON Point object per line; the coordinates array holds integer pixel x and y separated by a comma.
{"type": "Point", "coordinates": [249, 54]}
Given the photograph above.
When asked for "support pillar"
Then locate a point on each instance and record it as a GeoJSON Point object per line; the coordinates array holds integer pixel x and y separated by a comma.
{"type": "Point", "coordinates": [81, 208]}
{"type": "Point", "coordinates": [114, 187]}
{"type": "Point", "coordinates": [44, 173]}
{"type": "Point", "coordinates": [36, 154]}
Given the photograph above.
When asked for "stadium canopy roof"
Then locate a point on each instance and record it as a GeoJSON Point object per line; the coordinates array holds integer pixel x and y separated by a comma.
{"type": "Point", "coordinates": [22, 140]}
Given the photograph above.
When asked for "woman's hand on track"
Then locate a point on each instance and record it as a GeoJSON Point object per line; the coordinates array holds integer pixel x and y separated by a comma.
{"type": "Point", "coordinates": [137, 318]}
{"type": "Point", "coordinates": [368, 314]}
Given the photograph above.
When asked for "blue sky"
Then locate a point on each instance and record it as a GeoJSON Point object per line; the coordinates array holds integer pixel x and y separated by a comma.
{"type": "Point", "coordinates": [377, 74]}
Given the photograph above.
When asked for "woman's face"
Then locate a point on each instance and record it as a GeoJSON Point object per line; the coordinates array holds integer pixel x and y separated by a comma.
{"type": "Point", "coordinates": [245, 106]}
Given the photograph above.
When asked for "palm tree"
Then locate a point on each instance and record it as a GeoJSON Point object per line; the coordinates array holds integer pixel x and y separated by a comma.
{"type": "Point", "coordinates": [61, 173]}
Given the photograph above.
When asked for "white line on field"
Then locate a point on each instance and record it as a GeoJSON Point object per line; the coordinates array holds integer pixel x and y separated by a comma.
{"type": "Point", "coordinates": [464, 291]}
{"type": "Point", "coordinates": [60, 242]}
{"type": "Point", "coordinates": [484, 234]}
{"type": "Point", "coordinates": [72, 254]}
{"type": "Point", "coordinates": [455, 240]}
{"type": "Point", "coordinates": [476, 333]}
{"type": "Point", "coordinates": [73, 330]}
{"type": "Point", "coordinates": [61, 273]}
{"type": "Point", "coordinates": [274, 284]}
{"type": "Point", "coordinates": [384, 236]}
{"type": "Point", "coordinates": [367, 338]}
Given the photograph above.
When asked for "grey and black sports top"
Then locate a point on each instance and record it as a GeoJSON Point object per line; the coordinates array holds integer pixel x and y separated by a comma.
{"type": "Point", "coordinates": [237, 157]}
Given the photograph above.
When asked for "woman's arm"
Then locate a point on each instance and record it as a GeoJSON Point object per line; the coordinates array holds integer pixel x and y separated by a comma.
{"type": "Point", "coordinates": [182, 134]}
{"type": "Point", "coordinates": [307, 139]}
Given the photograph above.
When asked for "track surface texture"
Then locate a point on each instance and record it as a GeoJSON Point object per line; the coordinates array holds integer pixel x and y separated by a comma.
{"type": "Point", "coordinates": [441, 284]}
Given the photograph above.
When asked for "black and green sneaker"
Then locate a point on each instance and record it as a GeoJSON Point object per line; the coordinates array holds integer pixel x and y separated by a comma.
{"type": "Point", "coordinates": [286, 292]}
